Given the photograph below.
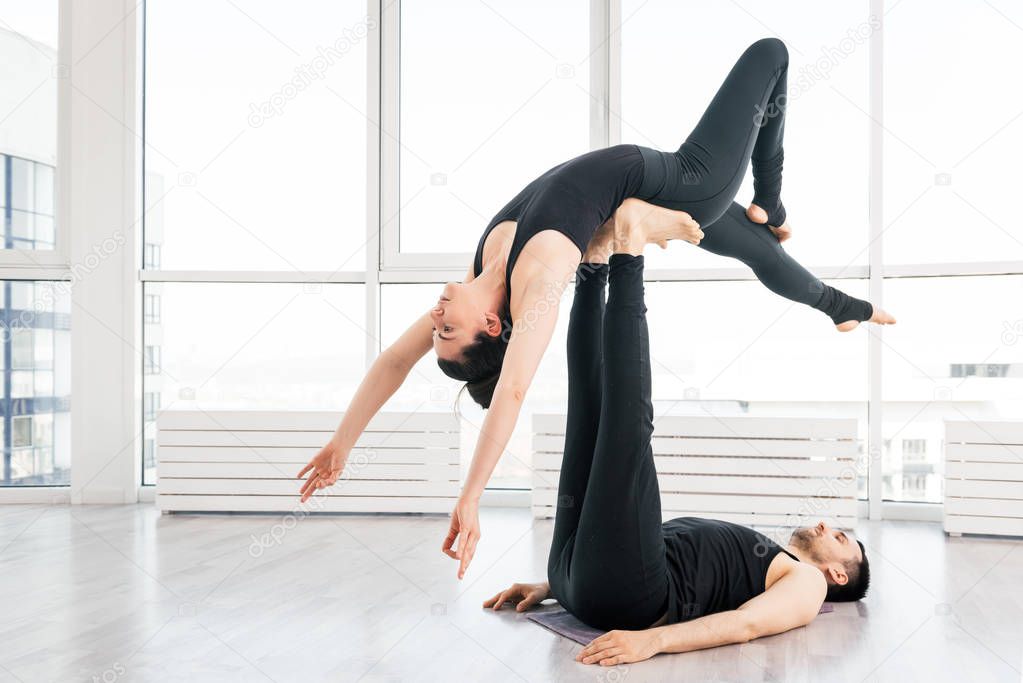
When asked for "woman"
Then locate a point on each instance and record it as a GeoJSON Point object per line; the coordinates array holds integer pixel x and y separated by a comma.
{"type": "Point", "coordinates": [492, 329]}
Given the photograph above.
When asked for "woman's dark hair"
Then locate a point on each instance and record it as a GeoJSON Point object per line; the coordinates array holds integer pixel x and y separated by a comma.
{"type": "Point", "coordinates": [480, 366]}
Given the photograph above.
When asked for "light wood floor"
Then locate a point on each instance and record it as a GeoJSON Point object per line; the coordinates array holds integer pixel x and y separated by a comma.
{"type": "Point", "coordinates": [125, 594]}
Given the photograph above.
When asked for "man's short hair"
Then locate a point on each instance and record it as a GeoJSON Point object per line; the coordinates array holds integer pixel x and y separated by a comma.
{"type": "Point", "coordinates": [859, 580]}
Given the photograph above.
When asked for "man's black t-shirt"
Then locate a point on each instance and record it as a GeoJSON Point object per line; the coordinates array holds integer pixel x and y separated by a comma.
{"type": "Point", "coordinates": [714, 566]}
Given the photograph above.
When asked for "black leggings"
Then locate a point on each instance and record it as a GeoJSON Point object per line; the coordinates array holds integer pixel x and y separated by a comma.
{"type": "Point", "coordinates": [745, 121]}
{"type": "Point", "coordinates": [607, 562]}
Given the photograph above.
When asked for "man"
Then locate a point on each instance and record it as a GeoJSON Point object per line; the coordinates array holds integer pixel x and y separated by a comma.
{"type": "Point", "coordinates": [819, 563]}
{"type": "Point", "coordinates": [686, 584]}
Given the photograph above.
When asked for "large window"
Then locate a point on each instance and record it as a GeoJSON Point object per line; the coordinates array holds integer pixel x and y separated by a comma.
{"type": "Point", "coordinates": [936, 370]}
{"type": "Point", "coordinates": [256, 134]}
{"type": "Point", "coordinates": [28, 124]}
{"type": "Point", "coordinates": [734, 348]}
{"type": "Point", "coordinates": [252, 347]}
{"type": "Point", "coordinates": [35, 351]}
{"type": "Point", "coordinates": [27, 203]}
{"type": "Point", "coordinates": [675, 56]}
{"type": "Point", "coordinates": [255, 168]}
{"type": "Point", "coordinates": [35, 317]}
{"type": "Point", "coordinates": [260, 290]}
{"type": "Point", "coordinates": [486, 110]}
{"type": "Point", "coordinates": [951, 161]}
{"type": "Point", "coordinates": [949, 172]}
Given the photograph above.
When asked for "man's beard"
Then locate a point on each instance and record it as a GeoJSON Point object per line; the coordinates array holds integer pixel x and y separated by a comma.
{"type": "Point", "coordinates": [804, 540]}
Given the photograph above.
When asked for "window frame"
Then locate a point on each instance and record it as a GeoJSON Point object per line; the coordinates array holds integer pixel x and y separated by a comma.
{"type": "Point", "coordinates": [384, 262]}
{"type": "Point", "coordinates": [50, 264]}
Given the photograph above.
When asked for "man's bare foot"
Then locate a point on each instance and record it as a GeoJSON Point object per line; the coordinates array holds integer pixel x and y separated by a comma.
{"type": "Point", "coordinates": [880, 317]}
{"type": "Point", "coordinates": [758, 215]}
{"type": "Point", "coordinates": [619, 236]}
{"type": "Point", "coordinates": [601, 244]}
{"type": "Point", "coordinates": [629, 237]}
{"type": "Point", "coordinates": [654, 224]}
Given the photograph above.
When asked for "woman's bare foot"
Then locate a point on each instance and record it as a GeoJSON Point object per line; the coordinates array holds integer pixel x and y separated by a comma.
{"type": "Point", "coordinates": [758, 215]}
{"type": "Point", "coordinates": [880, 317]}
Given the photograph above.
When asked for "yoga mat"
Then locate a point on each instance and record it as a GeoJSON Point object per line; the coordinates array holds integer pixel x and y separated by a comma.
{"type": "Point", "coordinates": [564, 624]}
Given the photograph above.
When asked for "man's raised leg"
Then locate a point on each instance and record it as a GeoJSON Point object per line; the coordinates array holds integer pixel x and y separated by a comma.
{"type": "Point", "coordinates": [619, 577]}
{"type": "Point", "coordinates": [585, 350]}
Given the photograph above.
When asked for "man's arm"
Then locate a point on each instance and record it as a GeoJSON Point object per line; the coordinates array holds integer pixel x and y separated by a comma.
{"type": "Point", "coordinates": [792, 601]}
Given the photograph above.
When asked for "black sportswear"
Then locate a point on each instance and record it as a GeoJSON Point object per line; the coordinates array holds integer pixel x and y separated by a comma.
{"type": "Point", "coordinates": [612, 563]}
{"type": "Point", "coordinates": [744, 122]}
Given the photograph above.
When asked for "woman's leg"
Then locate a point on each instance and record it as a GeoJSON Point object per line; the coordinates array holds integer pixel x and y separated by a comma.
{"type": "Point", "coordinates": [746, 119]}
{"type": "Point", "coordinates": [736, 236]}
{"type": "Point", "coordinates": [618, 573]}
{"type": "Point", "coordinates": [585, 350]}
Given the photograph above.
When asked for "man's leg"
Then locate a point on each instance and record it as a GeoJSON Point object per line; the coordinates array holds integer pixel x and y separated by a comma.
{"type": "Point", "coordinates": [618, 575]}
{"type": "Point", "coordinates": [585, 344]}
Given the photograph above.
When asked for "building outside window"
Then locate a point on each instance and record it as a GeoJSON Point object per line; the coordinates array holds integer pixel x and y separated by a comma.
{"type": "Point", "coordinates": [152, 309]}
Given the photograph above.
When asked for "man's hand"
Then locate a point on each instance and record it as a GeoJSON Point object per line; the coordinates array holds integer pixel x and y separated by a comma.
{"type": "Point", "coordinates": [525, 595]}
{"type": "Point", "coordinates": [758, 215]}
{"type": "Point", "coordinates": [620, 647]}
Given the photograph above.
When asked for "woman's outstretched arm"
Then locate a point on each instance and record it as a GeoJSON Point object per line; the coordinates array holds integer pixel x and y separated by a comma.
{"type": "Point", "coordinates": [543, 270]}
{"type": "Point", "coordinates": [385, 376]}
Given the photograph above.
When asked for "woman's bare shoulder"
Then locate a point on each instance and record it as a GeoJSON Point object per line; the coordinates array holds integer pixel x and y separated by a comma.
{"type": "Point", "coordinates": [496, 245]}
{"type": "Point", "coordinates": [548, 255]}
{"type": "Point", "coordinates": [543, 269]}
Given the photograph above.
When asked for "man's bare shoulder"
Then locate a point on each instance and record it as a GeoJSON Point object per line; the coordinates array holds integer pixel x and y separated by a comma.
{"type": "Point", "coordinates": [783, 565]}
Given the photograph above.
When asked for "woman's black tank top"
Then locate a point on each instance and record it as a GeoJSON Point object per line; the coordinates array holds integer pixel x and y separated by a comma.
{"type": "Point", "coordinates": [574, 198]}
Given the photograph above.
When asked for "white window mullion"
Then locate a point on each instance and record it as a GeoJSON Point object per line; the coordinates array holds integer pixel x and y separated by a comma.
{"type": "Point", "coordinates": [106, 409]}
{"type": "Point", "coordinates": [239, 276]}
{"type": "Point", "coordinates": [388, 75]}
{"type": "Point", "coordinates": [600, 68]}
{"type": "Point", "coordinates": [614, 72]}
{"type": "Point", "coordinates": [374, 177]}
{"type": "Point", "coordinates": [875, 400]}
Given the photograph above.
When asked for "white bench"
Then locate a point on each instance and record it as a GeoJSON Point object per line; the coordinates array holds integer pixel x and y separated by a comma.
{"type": "Point", "coordinates": [241, 461]}
{"type": "Point", "coordinates": [749, 470]}
{"type": "Point", "coordinates": [984, 477]}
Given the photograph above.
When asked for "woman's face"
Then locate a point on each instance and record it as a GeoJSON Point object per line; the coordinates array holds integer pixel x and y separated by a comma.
{"type": "Point", "coordinates": [457, 319]}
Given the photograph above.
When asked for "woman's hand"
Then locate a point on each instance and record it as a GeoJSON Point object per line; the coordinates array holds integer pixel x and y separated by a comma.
{"type": "Point", "coordinates": [620, 647]}
{"type": "Point", "coordinates": [525, 595]}
{"type": "Point", "coordinates": [465, 525]}
{"type": "Point", "coordinates": [326, 467]}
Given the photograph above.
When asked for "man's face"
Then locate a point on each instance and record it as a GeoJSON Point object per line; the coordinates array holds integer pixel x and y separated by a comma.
{"type": "Point", "coordinates": [826, 545]}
